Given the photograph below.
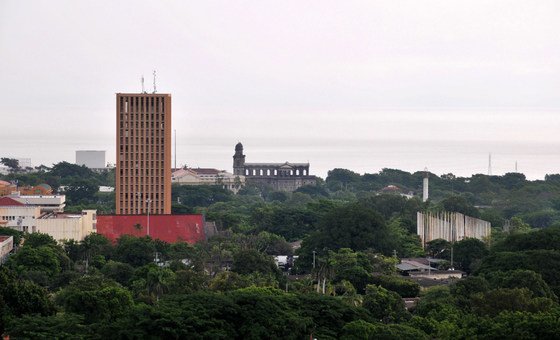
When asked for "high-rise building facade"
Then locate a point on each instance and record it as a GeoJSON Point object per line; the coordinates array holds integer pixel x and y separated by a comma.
{"type": "Point", "coordinates": [143, 171]}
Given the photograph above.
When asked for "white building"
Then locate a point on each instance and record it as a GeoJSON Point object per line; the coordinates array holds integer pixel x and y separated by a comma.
{"type": "Point", "coordinates": [18, 216]}
{"type": "Point", "coordinates": [93, 159]}
{"type": "Point", "coordinates": [29, 218]}
{"type": "Point", "coordinates": [47, 203]}
{"type": "Point", "coordinates": [207, 176]}
{"type": "Point", "coordinates": [68, 226]}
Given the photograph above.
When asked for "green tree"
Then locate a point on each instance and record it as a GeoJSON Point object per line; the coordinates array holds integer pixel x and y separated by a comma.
{"type": "Point", "coordinates": [341, 178]}
{"type": "Point", "coordinates": [68, 171]}
{"type": "Point", "coordinates": [438, 248]}
{"type": "Point", "coordinates": [18, 235]}
{"type": "Point", "coordinates": [250, 260]}
{"type": "Point", "coordinates": [58, 326]}
{"type": "Point", "coordinates": [96, 298]}
{"type": "Point", "coordinates": [351, 226]}
{"type": "Point", "coordinates": [544, 262]}
{"type": "Point", "coordinates": [136, 251]}
{"type": "Point", "coordinates": [118, 271]}
{"type": "Point", "coordinates": [496, 301]}
{"type": "Point", "coordinates": [22, 296]}
{"type": "Point", "coordinates": [384, 304]}
{"type": "Point", "coordinates": [462, 290]}
{"type": "Point", "coordinates": [357, 330]}
{"type": "Point", "coordinates": [405, 288]}
{"type": "Point", "coordinates": [188, 281]}
{"type": "Point", "coordinates": [158, 281]}
{"type": "Point", "coordinates": [459, 204]}
{"type": "Point", "coordinates": [37, 240]}
{"type": "Point", "coordinates": [41, 259]}
{"type": "Point", "coordinates": [81, 191]}
{"type": "Point", "coordinates": [11, 163]}
{"type": "Point", "coordinates": [520, 278]}
{"type": "Point", "coordinates": [267, 313]}
{"type": "Point", "coordinates": [468, 251]}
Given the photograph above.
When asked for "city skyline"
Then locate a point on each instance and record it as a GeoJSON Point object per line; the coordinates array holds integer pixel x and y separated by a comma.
{"type": "Point", "coordinates": [292, 81]}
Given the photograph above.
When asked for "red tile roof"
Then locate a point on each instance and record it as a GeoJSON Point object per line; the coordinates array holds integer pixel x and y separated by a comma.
{"type": "Point", "coordinates": [7, 201]}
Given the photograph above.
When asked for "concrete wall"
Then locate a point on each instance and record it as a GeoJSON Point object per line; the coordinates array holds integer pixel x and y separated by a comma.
{"type": "Point", "coordinates": [450, 226]}
{"type": "Point", "coordinates": [21, 218]}
{"type": "Point", "coordinates": [68, 226]}
{"type": "Point", "coordinates": [168, 228]}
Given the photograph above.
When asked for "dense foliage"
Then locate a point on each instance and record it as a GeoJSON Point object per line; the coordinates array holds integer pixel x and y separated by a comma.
{"type": "Point", "coordinates": [352, 234]}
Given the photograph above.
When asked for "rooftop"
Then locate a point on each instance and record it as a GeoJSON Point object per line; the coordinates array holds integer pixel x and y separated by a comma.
{"type": "Point", "coordinates": [4, 238]}
{"type": "Point", "coordinates": [9, 202]}
{"type": "Point", "coordinates": [277, 164]}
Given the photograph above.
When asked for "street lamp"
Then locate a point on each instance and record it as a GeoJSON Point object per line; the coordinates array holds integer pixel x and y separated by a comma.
{"type": "Point", "coordinates": [148, 201]}
{"type": "Point", "coordinates": [314, 259]}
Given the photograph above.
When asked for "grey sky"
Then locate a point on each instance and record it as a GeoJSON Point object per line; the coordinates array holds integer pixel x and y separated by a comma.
{"type": "Point", "coordinates": [299, 74]}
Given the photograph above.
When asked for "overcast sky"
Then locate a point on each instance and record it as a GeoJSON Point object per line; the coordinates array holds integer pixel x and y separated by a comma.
{"type": "Point", "coordinates": [280, 75]}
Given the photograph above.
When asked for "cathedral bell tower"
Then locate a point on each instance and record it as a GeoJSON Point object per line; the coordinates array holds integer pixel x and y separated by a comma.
{"type": "Point", "coordinates": [239, 160]}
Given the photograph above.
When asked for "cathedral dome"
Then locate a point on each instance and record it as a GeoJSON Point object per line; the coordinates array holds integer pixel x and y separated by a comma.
{"type": "Point", "coordinates": [239, 147]}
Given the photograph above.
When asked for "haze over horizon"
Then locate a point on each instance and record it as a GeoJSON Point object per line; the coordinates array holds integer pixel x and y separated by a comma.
{"type": "Point", "coordinates": [359, 85]}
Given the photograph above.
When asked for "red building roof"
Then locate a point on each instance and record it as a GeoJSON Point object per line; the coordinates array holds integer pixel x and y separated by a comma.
{"type": "Point", "coordinates": [168, 228]}
{"type": "Point", "coordinates": [7, 201]}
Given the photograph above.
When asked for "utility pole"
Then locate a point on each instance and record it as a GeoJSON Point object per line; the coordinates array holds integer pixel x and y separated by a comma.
{"type": "Point", "coordinates": [489, 164]}
{"type": "Point", "coordinates": [148, 201]}
{"type": "Point", "coordinates": [314, 259]}
{"type": "Point", "coordinates": [452, 268]}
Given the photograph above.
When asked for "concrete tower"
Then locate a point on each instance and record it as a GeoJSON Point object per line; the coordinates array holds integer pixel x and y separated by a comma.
{"type": "Point", "coordinates": [239, 160]}
{"type": "Point", "coordinates": [425, 186]}
{"type": "Point", "coordinates": [143, 174]}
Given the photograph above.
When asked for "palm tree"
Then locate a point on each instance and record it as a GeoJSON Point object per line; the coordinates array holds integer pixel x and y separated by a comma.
{"type": "Point", "coordinates": [158, 281]}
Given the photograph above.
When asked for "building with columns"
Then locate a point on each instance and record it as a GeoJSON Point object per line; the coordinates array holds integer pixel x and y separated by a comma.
{"type": "Point", "coordinates": [280, 176]}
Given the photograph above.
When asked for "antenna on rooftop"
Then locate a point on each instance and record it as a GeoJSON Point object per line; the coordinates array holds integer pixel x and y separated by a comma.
{"type": "Point", "coordinates": [489, 164]}
{"type": "Point", "coordinates": [143, 91]}
{"type": "Point", "coordinates": [155, 89]}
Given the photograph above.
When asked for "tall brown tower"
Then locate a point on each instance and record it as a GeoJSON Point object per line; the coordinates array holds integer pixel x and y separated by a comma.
{"type": "Point", "coordinates": [143, 174]}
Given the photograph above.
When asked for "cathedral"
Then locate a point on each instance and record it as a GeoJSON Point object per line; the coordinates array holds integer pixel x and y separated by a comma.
{"type": "Point", "coordinates": [280, 176]}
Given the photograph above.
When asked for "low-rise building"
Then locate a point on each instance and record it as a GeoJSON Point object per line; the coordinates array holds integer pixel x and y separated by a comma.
{"type": "Point", "coordinates": [7, 188]}
{"type": "Point", "coordinates": [168, 228]}
{"type": "Point", "coordinates": [46, 203]}
{"type": "Point", "coordinates": [208, 176]}
{"type": "Point", "coordinates": [6, 246]}
{"type": "Point", "coordinates": [17, 215]}
{"type": "Point", "coordinates": [68, 226]}
{"type": "Point", "coordinates": [279, 176]}
{"type": "Point", "coordinates": [31, 219]}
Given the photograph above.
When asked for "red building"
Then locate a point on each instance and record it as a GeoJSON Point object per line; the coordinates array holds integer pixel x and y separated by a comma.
{"type": "Point", "coordinates": [168, 228]}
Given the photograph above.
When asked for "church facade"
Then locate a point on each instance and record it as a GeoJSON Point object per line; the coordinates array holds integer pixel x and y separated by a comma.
{"type": "Point", "coordinates": [280, 176]}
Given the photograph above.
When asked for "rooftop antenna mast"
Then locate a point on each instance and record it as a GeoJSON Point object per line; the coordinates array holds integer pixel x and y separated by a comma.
{"type": "Point", "coordinates": [143, 91]}
{"type": "Point", "coordinates": [155, 89]}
